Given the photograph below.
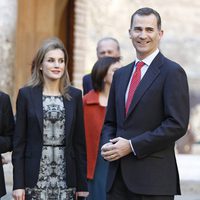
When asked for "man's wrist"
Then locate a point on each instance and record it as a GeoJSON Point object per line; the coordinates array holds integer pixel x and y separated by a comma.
{"type": "Point", "coordinates": [132, 147]}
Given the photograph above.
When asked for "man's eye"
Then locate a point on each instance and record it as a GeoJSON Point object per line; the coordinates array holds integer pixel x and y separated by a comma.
{"type": "Point", "coordinates": [137, 29]}
{"type": "Point", "coordinates": [149, 30]}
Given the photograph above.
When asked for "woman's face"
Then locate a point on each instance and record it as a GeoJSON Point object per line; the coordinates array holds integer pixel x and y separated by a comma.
{"type": "Point", "coordinates": [53, 65]}
{"type": "Point", "coordinates": [109, 76]}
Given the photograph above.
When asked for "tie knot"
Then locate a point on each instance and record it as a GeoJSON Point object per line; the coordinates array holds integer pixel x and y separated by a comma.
{"type": "Point", "coordinates": [140, 64]}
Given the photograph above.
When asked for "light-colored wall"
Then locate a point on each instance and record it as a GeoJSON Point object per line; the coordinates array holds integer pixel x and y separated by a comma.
{"type": "Point", "coordinates": [8, 15]}
{"type": "Point", "coordinates": [180, 21]}
{"type": "Point", "coordinates": [80, 50]}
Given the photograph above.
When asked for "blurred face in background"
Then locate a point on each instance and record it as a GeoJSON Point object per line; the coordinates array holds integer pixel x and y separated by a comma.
{"type": "Point", "coordinates": [108, 48]}
{"type": "Point", "coordinates": [109, 76]}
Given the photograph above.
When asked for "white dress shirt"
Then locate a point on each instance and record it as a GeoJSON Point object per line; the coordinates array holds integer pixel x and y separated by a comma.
{"type": "Point", "coordinates": [148, 60]}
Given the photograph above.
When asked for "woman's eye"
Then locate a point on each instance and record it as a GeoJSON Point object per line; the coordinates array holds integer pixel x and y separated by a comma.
{"type": "Point", "coordinates": [50, 60]}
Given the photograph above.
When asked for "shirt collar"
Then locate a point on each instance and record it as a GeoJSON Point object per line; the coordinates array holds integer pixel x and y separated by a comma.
{"type": "Point", "coordinates": [92, 97]}
{"type": "Point", "coordinates": [148, 60]}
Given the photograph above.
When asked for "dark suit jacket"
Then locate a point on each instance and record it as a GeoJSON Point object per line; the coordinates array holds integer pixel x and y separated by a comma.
{"type": "Point", "coordinates": [87, 84]}
{"type": "Point", "coordinates": [6, 132]}
{"type": "Point", "coordinates": [28, 139]}
{"type": "Point", "coordinates": [157, 117]}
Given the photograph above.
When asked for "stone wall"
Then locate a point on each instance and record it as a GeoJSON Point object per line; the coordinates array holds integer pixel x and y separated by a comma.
{"type": "Point", "coordinates": [180, 21]}
{"type": "Point", "coordinates": [7, 43]}
{"type": "Point", "coordinates": [79, 45]}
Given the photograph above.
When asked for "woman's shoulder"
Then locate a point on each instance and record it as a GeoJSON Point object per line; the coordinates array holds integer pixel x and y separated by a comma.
{"type": "Point", "coordinates": [4, 96]}
{"type": "Point", "coordinates": [29, 88]}
{"type": "Point", "coordinates": [73, 91]}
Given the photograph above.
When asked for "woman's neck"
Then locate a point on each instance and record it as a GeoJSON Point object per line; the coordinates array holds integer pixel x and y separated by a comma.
{"type": "Point", "coordinates": [103, 95]}
{"type": "Point", "coordinates": [51, 89]}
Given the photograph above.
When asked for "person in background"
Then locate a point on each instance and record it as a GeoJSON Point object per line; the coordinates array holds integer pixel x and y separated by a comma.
{"type": "Point", "coordinates": [147, 112]}
{"type": "Point", "coordinates": [49, 152]}
{"type": "Point", "coordinates": [107, 46]}
{"type": "Point", "coordinates": [6, 133]}
{"type": "Point", "coordinates": [94, 105]}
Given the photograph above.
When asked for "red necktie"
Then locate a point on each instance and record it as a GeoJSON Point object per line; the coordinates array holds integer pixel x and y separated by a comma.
{"type": "Point", "coordinates": [134, 83]}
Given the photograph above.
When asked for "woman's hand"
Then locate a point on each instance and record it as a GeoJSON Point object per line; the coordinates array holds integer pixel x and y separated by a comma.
{"type": "Point", "coordinates": [81, 194]}
{"type": "Point", "coordinates": [19, 194]}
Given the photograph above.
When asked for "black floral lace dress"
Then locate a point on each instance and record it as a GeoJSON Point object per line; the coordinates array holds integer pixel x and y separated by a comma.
{"type": "Point", "coordinates": [51, 183]}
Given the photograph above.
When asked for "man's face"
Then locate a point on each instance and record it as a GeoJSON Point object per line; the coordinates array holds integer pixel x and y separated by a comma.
{"type": "Point", "coordinates": [107, 48]}
{"type": "Point", "coordinates": [145, 35]}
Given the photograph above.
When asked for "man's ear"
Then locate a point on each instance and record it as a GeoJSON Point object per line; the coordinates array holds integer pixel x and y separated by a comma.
{"type": "Point", "coordinates": [161, 33]}
{"type": "Point", "coordinates": [129, 32]}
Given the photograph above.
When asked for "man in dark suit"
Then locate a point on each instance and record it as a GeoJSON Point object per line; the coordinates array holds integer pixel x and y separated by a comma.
{"type": "Point", "coordinates": [6, 132]}
{"type": "Point", "coordinates": [141, 133]}
{"type": "Point", "coordinates": [107, 46]}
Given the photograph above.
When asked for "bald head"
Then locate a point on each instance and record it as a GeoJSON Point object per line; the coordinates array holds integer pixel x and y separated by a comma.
{"type": "Point", "coordinates": [108, 47]}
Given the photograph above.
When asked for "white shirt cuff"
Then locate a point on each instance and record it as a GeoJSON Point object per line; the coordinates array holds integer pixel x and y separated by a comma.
{"type": "Point", "coordinates": [132, 147]}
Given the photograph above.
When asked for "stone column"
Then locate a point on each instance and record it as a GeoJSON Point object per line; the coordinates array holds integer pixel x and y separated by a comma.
{"type": "Point", "coordinates": [79, 43]}
{"type": "Point", "coordinates": [8, 16]}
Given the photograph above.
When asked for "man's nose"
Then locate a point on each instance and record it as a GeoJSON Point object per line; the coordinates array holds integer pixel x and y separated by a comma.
{"type": "Point", "coordinates": [143, 34]}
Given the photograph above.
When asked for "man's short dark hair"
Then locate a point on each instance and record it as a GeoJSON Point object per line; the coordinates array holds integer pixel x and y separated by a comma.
{"type": "Point", "coordinates": [145, 12]}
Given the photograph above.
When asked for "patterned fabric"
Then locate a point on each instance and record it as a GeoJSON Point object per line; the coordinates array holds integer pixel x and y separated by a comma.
{"type": "Point", "coordinates": [51, 183]}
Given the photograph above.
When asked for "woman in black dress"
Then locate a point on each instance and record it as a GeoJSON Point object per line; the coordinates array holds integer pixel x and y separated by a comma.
{"type": "Point", "coordinates": [49, 155]}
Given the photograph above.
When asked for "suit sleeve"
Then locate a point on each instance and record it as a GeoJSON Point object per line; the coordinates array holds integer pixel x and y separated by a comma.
{"type": "Point", "coordinates": [176, 116]}
{"type": "Point", "coordinates": [19, 141]}
{"type": "Point", "coordinates": [110, 124]}
{"type": "Point", "coordinates": [87, 84]}
{"type": "Point", "coordinates": [7, 125]}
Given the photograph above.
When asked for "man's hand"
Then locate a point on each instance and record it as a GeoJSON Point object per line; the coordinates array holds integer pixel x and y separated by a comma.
{"type": "Point", "coordinates": [4, 161]}
{"type": "Point", "coordinates": [116, 149]}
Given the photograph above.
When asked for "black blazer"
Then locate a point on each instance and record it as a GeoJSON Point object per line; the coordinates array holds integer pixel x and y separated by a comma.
{"type": "Point", "coordinates": [87, 84]}
{"type": "Point", "coordinates": [28, 139]}
{"type": "Point", "coordinates": [157, 117]}
{"type": "Point", "coordinates": [6, 132]}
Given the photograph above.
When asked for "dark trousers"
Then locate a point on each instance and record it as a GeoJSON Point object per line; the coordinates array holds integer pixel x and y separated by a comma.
{"type": "Point", "coordinates": [119, 191]}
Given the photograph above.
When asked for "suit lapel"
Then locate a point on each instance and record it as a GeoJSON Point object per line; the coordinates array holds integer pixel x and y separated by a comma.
{"type": "Point", "coordinates": [36, 95]}
{"type": "Point", "coordinates": [123, 87]}
{"type": "Point", "coordinates": [149, 77]}
{"type": "Point", "coordinates": [69, 107]}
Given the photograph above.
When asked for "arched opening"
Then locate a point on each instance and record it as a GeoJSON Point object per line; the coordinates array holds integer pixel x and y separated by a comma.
{"type": "Point", "coordinates": [36, 22]}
